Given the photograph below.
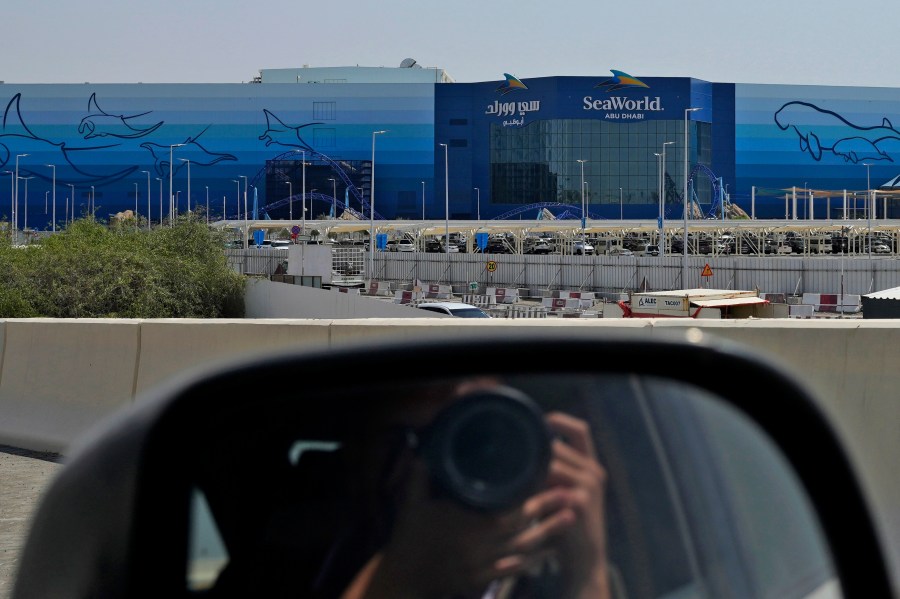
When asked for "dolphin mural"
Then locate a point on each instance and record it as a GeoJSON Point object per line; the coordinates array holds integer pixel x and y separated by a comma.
{"type": "Point", "coordinates": [199, 155]}
{"type": "Point", "coordinates": [16, 137]}
{"type": "Point", "coordinates": [822, 131]}
{"type": "Point", "coordinates": [100, 123]}
{"type": "Point", "coordinates": [277, 132]}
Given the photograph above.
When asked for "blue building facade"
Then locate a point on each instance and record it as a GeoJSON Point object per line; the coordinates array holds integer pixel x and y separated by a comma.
{"type": "Point", "coordinates": [499, 149]}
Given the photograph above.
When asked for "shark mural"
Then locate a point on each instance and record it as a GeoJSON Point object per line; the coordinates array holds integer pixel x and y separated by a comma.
{"type": "Point", "coordinates": [199, 155]}
{"type": "Point", "coordinates": [100, 123]}
{"type": "Point", "coordinates": [821, 132]}
{"type": "Point", "coordinates": [16, 133]}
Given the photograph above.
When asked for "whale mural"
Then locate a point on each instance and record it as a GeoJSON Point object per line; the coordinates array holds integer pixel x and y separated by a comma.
{"type": "Point", "coordinates": [821, 132]}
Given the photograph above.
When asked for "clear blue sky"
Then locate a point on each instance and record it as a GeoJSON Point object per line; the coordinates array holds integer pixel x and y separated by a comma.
{"type": "Point", "coordinates": [226, 41]}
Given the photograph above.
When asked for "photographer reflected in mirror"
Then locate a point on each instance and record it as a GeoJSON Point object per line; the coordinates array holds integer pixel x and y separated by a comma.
{"type": "Point", "coordinates": [480, 494]}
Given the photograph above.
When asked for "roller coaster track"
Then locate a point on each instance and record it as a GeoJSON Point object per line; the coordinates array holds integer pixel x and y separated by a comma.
{"type": "Point", "coordinates": [569, 211]}
{"type": "Point", "coordinates": [337, 168]}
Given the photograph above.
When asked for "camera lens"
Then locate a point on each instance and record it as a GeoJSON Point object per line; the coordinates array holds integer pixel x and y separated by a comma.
{"type": "Point", "coordinates": [490, 449]}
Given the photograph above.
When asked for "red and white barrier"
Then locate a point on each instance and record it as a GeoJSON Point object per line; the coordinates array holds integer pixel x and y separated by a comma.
{"type": "Point", "coordinates": [833, 302]}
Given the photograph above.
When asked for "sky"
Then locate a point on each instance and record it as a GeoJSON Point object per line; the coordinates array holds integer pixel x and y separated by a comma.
{"type": "Point", "coordinates": [228, 41]}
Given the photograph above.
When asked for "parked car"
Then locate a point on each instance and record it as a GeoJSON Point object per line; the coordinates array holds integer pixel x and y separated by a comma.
{"type": "Point", "coordinates": [537, 246]}
{"type": "Point", "coordinates": [458, 309]}
{"type": "Point", "coordinates": [620, 252]}
{"type": "Point", "coordinates": [405, 245]}
{"type": "Point", "coordinates": [652, 478]}
{"type": "Point", "coordinates": [582, 248]}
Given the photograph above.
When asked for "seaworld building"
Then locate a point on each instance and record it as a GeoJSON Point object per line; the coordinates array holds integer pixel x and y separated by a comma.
{"type": "Point", "coordinates": [606, 145]}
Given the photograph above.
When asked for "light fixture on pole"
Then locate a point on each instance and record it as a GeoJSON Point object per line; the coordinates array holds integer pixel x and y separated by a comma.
{"type": "Point", "coordinates": [446, 199]}
{"type": "Point", "coordinates": [478, 204]}
{"type": "Point", "coordinates": [686, 197]}
{"type": "Point", "coordinates": [171, 169]}
{"type": "Point", "coordinates": [662, 200]}
{"type": "Point", "coordinates": [15, 212]}
{"type": "Point", "coordinates": [148, 198]}
{"type": "Point", "coordinates": [91, 203]}
{"type": "Point", "coordinates": [72, 189]}
{"type": "Point", "coordinates": [53, 217]}
{"type": "Point", "coordinates": [333, 197]}
{"type": "Point", "coordinates": [246, 215]}
{"type": "Point", "coordinates": [189, 182]}
{"type": "Point", "coordinates": [423, 200]}
{"type": "Point", "coordinates": [372, 210]}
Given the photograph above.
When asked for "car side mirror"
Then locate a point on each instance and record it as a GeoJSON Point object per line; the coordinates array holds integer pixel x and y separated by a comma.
{"type": "Point", "coordinates": [673, 466]}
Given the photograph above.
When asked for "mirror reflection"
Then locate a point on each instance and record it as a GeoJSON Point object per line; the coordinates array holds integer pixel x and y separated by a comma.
{"type": "Point", "coordinates": [588, 486]}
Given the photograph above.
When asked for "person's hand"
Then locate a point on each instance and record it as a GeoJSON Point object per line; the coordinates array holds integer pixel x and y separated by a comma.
{"type": "Point", "coordinates": [439, 548]}
{"type": "Point", "coordinates": [575, 470]}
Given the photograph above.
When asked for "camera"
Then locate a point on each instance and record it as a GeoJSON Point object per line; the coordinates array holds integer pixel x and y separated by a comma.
{"type": "Point", "coordinates": [489, 450]}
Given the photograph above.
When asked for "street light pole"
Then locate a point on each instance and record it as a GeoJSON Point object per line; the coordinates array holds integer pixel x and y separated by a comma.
{"type": "Point", "coordinates": [662, 200]}
{"type": "Point", "coordinates": [53, 166]}
{"type": "Point", "coordinates": [868, 207]}
{"type": "Point", "coordinates": [25, 224]}
{"type": "Point", "coordinates": [333, 196]}
{"type": "Point", "coordinates": [246, 215]}
{"type": "Point", "coordinates": [15, 212]}
{"type": "Point", "coordinates": [423, 200]}
{"type": "Point", "coordinates": [238, 197]}
{"type": "Point", "coordinates": [478, 203]}
{"type": "Point", "coordinates": [446, 200]}
{"type": "Point", "coordinates": [372, 210]}
{"type": "Point", "coordinates": [72, 188]}
{"type": "Point", "coordinates": [621, 206]}
{"type": "Point", "coordinates": [160, 201]}
{"type": "Point", "coordinates": [171, 169]}
{"type": "Point", "coordinates": [207, 205]}
{"type": "Point", "coordinates": [303, 197]}
{"type": "Point", "coordinates": [686, 198]}
{"type": "Point", "coordinates": [135, 205]}
{"type": "Point", "coordinates": [12, 194]}
{"type": "Point", "coordinates": [148, 198]}
{"type": "Point", "coordinates": [290, 198]}
{"type": "Point", "coordinates": [189, 182]}
{"type": "Point", "coordinates": [581, 162]}
{"type": "Point", "coordinates": [91, 202]}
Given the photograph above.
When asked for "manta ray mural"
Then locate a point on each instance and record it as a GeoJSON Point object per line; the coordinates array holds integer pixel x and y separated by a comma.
{"type": "Point", "coordinates": [278, 133]}
{"type": "Point", "coordinates": [821, 132]}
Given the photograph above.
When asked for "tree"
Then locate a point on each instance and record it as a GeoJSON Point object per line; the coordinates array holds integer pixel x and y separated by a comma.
{"type": "Point", "coordinates": [92, 270]}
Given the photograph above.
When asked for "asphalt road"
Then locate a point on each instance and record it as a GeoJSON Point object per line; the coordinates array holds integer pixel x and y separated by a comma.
{"type": "Point", "coordinates": [23, 477]}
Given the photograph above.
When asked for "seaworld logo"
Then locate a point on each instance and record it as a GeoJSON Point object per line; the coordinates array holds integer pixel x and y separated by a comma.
{"type": "Point", "coordinates": [620, 80]}
{"type": "Point", "coordinates": [509, 85]}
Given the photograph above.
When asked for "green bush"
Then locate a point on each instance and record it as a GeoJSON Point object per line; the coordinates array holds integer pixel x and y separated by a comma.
{"type": "Point", "coordinates": [92, 270]}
